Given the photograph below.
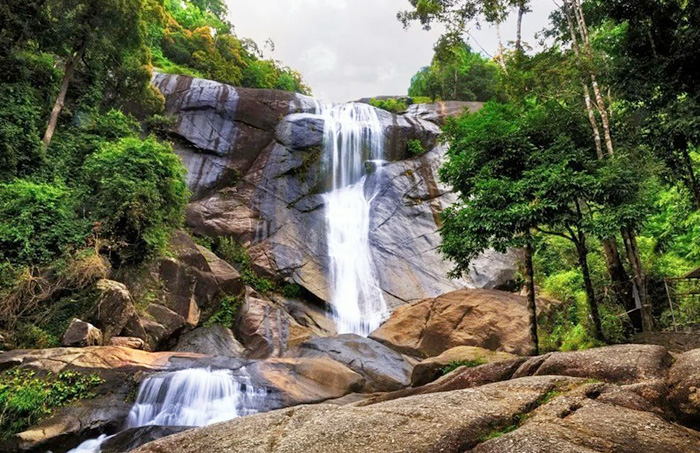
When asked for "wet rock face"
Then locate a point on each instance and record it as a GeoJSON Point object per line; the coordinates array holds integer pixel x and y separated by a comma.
{"type": "Point", "coordinates": [257, 169]}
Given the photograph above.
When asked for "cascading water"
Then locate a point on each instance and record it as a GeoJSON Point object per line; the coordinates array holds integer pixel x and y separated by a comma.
{"type": "Point", "coordinates": [192, 397]}
{"type": "Point", "coordinates": [353, 135]}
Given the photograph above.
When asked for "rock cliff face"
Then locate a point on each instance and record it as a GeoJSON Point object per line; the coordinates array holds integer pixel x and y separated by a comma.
{"type": "Point", "coordinates": [256, 167]}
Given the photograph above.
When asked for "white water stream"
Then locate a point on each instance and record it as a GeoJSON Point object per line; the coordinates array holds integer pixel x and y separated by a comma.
{"type": "Point", "coordinates": [192, 397]}
{"type": "Point", "coordinates": [353, 135]}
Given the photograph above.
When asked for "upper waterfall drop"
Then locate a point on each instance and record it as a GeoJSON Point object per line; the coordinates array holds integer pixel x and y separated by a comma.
{"type": "Point", "coordinates": [353, 135]}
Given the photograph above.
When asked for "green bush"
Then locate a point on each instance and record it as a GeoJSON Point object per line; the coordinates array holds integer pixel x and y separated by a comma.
{"type": "Point", "coordinates": [137, 190]}
{"type": "Point", "coordinates": [460, 363]}
{"type": "Point", "coordinates": [390, 105]}
{"type": "Point", "coordinates": [226, 314]}
{"type": "Point", "coordinates": [25, 398]}
{"type": "Point", "coordinates": [20, 117]}
{"type": "Point", "coordinates": [415, 147]}
{"type": "Point", "coordinates": [236, 255]}
{"type": "Point", "coordinates": [38, 222]}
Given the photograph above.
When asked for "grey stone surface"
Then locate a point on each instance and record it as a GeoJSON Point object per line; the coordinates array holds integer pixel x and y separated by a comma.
{"type": "Point", "coordinates": [383, 369]}
{"type": "Point", "coordinates": [216, 340]}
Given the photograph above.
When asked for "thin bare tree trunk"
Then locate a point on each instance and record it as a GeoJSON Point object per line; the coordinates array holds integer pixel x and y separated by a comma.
{"type": "Point", "coordinates": [519, 32]}
{"type": "Point", "coordinates": [531, 296]}
{"type": "Point", "coordinates": [61, 98]}
{"type": "Point", "coordinates": [582, 251]}
{"type": "Point", "coordinates": [633, 256]}
{"type": "Point", "coordinates": [501, 49]}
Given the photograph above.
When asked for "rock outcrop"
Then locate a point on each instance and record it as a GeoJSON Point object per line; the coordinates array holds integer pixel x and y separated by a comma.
{"type": "Point", "coordinates": [431, 368]}
{"type": "Point", "coordinates": [80, 333]}
{"type": "Point", "coordinates": [216, 340]}
{"type": "Point", "coordinates": [492, 320]}
{"type": "Point", "coordinates": [384, 370]}
{"type": "Point", "coordinates": [256, 166]}
{"type": "Point", "coordinates": [684, 387]}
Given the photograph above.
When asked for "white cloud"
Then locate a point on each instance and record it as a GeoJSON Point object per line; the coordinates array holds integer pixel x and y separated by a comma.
{"type": "Point", "coordinates": [347, 49]}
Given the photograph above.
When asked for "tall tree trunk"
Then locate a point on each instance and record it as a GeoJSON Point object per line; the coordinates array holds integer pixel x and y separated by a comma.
{"type": "Point", "coordinates": [61, 98]}
{"type": "Point", "coordinates": [501, 49]}
{"type": "Point", "coordinates": [582, 251]}
{"type": "Point", "coordinates": [531, 296]}
{"type": "Point", "coordinates": [633, 256]}
{"type": "Point", "coordinates": [622, 287]}
{"type": "Point", "coordinates": [692, 179]}
{"type": "Point", "coordinates": [519, 32]}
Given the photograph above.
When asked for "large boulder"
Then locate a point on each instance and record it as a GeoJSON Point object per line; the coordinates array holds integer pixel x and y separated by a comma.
{"type": "Point", "coordinates": [294, 381]}
{"type": "Point", "coordinates": [444, 422]}
{"type": "Point", "coordinates": [80, 334]}
{"type": "Point", "coordinates": [266, 329]}
{"type": "Point", "coordinates": [114, 308]}
{"type": "Point", "coordinates": [620, 364]}
{"type": "Point", "coordinates": [383, 369]}
{"type": "Point", "coordinates": [488, 319]}
{"type": "Point", "coordinates": [431, 368]}
{"type": "Point", "coordinates": [216, 340]}
{"type": "Point", "coordinates": [684, 387]}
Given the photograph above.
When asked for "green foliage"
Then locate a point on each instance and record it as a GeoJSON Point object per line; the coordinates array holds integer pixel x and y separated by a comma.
{"type": "Point", "coordinates": [226, 314]}
{"type": "Point", "coordinates": [390, 105]}
{"type": "Point", "coordinates": [26, 398]}
{"type": "Point", "coordinates": [38, 222]}
{"type": "Point", "coordinates": [20, 117]}
{"type": "Point", "coordinates": [30, 336]}
{"type": "Point", "coordinates": [236, 255]}
{"type": "Point", "coordinates": [415, 148]}
{"type": "Point", "coordinates": [291, 290]}
{"type": "Point", "coordinates": [456, 74]}
{"type": "Point", "coordinates": [460, 363]}
{"type": "Point", "coordinates": [137, 189]}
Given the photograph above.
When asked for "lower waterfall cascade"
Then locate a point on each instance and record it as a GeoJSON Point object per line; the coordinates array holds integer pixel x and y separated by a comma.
{"type": "Point", "coordinates": [192, 397]}
{"type": "Point", "coordinates": [353, 137]}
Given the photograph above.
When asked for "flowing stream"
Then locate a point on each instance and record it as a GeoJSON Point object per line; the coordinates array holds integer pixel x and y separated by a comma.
{"type": "Point", "coordinates": [192, 397]}
{"type": "Point", "coordinates": [353, 139]}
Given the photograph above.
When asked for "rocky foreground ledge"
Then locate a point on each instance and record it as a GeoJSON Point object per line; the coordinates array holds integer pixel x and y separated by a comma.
{"type": "Point", "coordinates": [351, 394]}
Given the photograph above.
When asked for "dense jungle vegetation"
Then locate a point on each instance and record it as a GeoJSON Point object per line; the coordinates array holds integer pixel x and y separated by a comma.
{"type": "Point", "coordinates": [86, 181]}
{"type": "Point", "coordinates": [586, 156]}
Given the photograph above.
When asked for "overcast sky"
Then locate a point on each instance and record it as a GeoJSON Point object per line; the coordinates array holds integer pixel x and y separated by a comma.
{"type": "Point", "coordinates": [348, 49]}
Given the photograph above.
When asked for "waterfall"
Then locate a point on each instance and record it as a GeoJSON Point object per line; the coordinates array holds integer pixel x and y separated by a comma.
{"type": "Point", "coordinates": [192, 397]}
{"type": "Point", "coordinates": [353, 135]}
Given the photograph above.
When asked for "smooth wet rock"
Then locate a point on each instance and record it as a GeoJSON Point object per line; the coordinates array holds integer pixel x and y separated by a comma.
{"type": "Point", "coordinates": [113, 309]}
{"type": "Point", "coordinates": [441, 422]}
{"type": "Point", "coordinates": [265, 328]}
{"type": "Point", "coordinates": [383, 369]}
{"type": "Point", "coordinates": [430, 369]}
{"type": "Point", "coordinates": [133, 438]}
{"type": "Point", "coordinates": [487, 319]}
{"type": "Point", "coordinates": [80, 334]}
{"type": "Point", "coordinates": [684, 387]}
{"type": "Point", "coordinates": [619, 364]}
{"type": "Point", "coordinates": [68, 426]}
{"type": "Point", "coordinates": [294, 381]}
{"type": "Point", "coordinates": [216, 340]}
{"type": "Point", "coordinates": [127, 342]}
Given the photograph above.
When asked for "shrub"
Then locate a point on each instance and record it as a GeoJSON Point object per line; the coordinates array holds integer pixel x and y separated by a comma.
{"type": "Point", "coordinates": [137, 190]}
{"type": "Point", "coordinates": [38, 222]}
{"type": "Point", "coordinates": [236, 255]}
{"type": "Point", "coordinates": [20, 115]}
{"type": "Point", "coordinates": [25, 398]}
{"type": "Point", "coordinates": [390, 105]}
{"type": "Point", "coordinates": [226, 314]}
{"type": "Point", "coordinates": [415, 147]}
{"type": "Point", "coordinates": [460, 363]}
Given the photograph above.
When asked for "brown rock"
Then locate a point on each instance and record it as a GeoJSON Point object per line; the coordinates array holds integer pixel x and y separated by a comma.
{"type": "Point", "coordinates": [80, 334]}
{"type": "Point", "coordinates": [306, 380]}
{"type": "Point", "coordinates": [383, 368]}
{"type": "Point", "coordinates": [114, 308]}
{"type": "Point", "coordinates": [266, 329]}
{"type": "Point", "coordinates": [621, 364]}
{"type": "Point", "coordinates": [684, 387]}
{"type": "Point", "coordinates": [165, 323]}
{"type": "Point", "coordinates": [430, 369]}
{"type": "Point", "coordinates": [215, 340]}
{"type": "Point", "coordinates": [577, 423]}
{"type": "Point", "coordinates": [440, 422]}
{"type": "Point", "coordinates": [127, 342]}
{"type": "Point", "coordinates": [488, 319]}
